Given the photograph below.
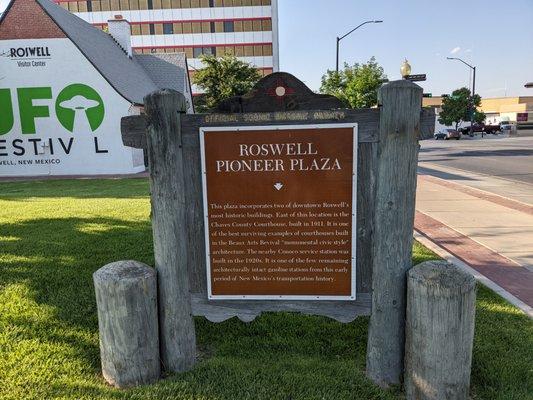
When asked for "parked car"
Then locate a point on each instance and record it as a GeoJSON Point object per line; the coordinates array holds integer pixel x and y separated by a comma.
{"type": "Point", "coordinates": [447, 134]}
{"type": "Point", "coordinates": [506, 126]}
{"type": "Point", "coordinates": [492, 129]}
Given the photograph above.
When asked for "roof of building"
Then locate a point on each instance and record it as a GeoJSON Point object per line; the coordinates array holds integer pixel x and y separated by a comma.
{"type": "Point", "coordinates": [132, 77]}
{"type": "Point", "coordinates": [162, 68]}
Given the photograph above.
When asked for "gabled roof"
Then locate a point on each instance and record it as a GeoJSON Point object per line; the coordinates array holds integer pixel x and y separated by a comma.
{"type": "Point", "coordinates": [123, 73]}
{"type": "Point", "coordinates": [167, 70]}
{"type": "Point", "coordinates": [132, 77]}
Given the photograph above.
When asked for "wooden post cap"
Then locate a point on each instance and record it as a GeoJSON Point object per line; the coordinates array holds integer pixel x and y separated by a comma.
{"type": "Point", "coordinates": [449, 278]}
{"type": "Point", "coordinates": [121, 270]}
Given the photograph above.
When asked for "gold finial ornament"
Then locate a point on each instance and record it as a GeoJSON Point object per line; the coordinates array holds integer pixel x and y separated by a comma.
{"type": "Point", "coordinates": [405, 69]}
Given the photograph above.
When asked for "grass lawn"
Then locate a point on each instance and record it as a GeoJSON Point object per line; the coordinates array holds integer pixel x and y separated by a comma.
{"type": "Point", "coordinates": [55, 234]}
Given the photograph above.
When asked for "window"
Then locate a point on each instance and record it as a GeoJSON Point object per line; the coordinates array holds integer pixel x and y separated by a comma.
{"type": "Point", "coordinates": [196, 27]}
{"type": "Point", "coordinates": [212, 26]}
{"type": "Point", "coordinates": [196, 52]}
{"type": "Point", "coordinates": [150, 5]}
{"type": "Point", "coordinates": [267, 25]}
{"type": "Point", "coordinates": [267, 50]}
{"type": "Point", "coordinates": [211, 3]}
{"type": "Point", "coordinates": [228, 26]}
{"type": "Point", "coordinates": [168, 29]}
{"type": "Point", "coordinates": [145, 29]}
{"type": "Point", "coordinates": [152, 29]}
{"type": "Point", "coordinates": [89, 5]}
{"type": "Point", "coordinates": [178, 28]}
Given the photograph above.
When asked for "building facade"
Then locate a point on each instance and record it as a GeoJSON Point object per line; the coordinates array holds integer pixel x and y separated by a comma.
{"type": "Point", "coordinates": [64, 87]}
{"type": "Point", "coordinates": [517, 110]}
{"type": "Point", "coordinates": [247, 29]}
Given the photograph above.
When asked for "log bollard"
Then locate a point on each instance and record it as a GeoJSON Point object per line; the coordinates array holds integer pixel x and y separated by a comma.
{"type": "Point", "coordinates": [126, 298]}
{"type": "Point", "coordinates": [439, 331]}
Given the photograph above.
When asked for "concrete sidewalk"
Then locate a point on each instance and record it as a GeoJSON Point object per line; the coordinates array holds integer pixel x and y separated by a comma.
{"type": "Point", "coordinates": [490, 233]}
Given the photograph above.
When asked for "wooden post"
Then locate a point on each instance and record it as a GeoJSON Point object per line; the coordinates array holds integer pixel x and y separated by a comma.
{"type": "Point", "coordinates": [165, 154]}
{"type": "Point", "coordinates": [401, 103]}
{"type": "Point", "coordinates": [439, 332]}
{"type": "Point", "coordinates": [126, 299]}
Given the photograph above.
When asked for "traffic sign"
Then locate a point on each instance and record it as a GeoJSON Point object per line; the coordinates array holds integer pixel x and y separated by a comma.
{"type": "Point", "coordinates": [415, 78]}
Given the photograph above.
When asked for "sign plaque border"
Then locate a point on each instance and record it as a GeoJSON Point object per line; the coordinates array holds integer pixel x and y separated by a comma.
{"type": "Point", "coordinates": [203, 131]}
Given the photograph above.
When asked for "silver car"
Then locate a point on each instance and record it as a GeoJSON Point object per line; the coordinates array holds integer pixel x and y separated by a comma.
{"type": "Point", "coordinates": [447, 134]}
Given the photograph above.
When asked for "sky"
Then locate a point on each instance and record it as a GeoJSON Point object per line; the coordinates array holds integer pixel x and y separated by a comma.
{"type": "Point", "coordinates": [498, 41]}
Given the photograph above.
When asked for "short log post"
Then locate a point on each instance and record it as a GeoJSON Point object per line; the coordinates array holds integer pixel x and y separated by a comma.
{"type": "Point", "coordinates": [165, 155]}
{"type": "Point", "coordinates": [439, 332]}
{"type": "Point", "coordinates": [126, 298]}
{"type": "Point", "coordinates": [401, 102]}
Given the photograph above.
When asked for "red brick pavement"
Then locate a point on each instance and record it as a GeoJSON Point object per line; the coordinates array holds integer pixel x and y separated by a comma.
{"type": "Point", "coordinates": [512, 277]}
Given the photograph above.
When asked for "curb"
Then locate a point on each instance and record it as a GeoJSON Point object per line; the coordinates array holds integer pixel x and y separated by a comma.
{"type": "Point", "coordinates": [479, 277]}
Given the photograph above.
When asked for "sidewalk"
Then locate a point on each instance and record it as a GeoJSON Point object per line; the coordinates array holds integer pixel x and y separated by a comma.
{"type": "Point", "coordinates": [490, 233]}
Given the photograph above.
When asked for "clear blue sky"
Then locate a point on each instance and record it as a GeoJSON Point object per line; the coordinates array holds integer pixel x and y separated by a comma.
{"type": "Point", "coordinates": [499, 43]}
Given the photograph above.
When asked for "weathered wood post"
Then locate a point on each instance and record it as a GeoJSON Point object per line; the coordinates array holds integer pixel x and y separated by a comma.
{"type": "Point", "coordinates": [126, 298]}
{"type": "Point", "coordinates": [399, 123]}
{"type": "Point", "coordinates": [439, 332]}
{"type": "Point", "coordinates": [165, 154]}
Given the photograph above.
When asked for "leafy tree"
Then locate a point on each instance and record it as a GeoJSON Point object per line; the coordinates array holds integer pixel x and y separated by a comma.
{"type": "Point", "coordinates": [223, 77]}
{"type": "Point", "coordinates": [356, 86]}
{"type": "Point", "coordinates": [456, 108]}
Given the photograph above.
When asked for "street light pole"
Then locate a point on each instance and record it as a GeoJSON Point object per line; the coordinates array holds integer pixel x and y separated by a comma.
{"type": "Point", "coordinates": [343, 36]}
{"type": "Point", "coordinates": [471, 95]}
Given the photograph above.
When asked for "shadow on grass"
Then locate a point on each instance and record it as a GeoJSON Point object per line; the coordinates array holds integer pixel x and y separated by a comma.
{"type": "Point", "coordinates": [55, 259]}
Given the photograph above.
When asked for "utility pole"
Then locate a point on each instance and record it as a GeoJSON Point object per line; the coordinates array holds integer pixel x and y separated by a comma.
{"type": "Point", "coordinates": [472, 107]}
{"type": "Point", "coordinates": [343, 36]}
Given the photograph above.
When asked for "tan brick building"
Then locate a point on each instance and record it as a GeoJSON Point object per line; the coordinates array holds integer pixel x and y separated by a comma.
{"type": "Point", "coordinates": [247, 29]}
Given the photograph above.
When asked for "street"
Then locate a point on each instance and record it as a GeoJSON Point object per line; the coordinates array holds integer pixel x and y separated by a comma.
{"type": "Point", "coordinates": [499, 156]}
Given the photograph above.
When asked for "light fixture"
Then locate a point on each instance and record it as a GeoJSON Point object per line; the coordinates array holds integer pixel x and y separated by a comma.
{"type": "Point", "coordinates": [405, 69]}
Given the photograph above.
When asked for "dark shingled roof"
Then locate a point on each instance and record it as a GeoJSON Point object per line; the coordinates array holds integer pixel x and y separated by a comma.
{"type": "Point", "coordinates": [132, 77]}
{"type": "Point", "coordinates": [168, 70]}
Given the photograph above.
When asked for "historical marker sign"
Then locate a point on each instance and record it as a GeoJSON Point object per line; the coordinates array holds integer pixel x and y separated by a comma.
{"type": "Point", "coordinates": [279, 204]}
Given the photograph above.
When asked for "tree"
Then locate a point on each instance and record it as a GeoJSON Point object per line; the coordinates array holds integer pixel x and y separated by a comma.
{"type": "Point", "coordinates": [356, 86]}
{"type": "Point", "coordinates": [456, 108]}
{"type": "Point", "coordinates": [222, 78]}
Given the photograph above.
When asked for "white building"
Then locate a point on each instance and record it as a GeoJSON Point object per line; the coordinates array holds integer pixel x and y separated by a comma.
{"type": "Point", "coordinates": [65, 85]}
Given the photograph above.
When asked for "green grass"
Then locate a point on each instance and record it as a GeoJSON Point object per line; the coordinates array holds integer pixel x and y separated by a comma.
{"type": "Point", "coordinates": [55, 234]}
